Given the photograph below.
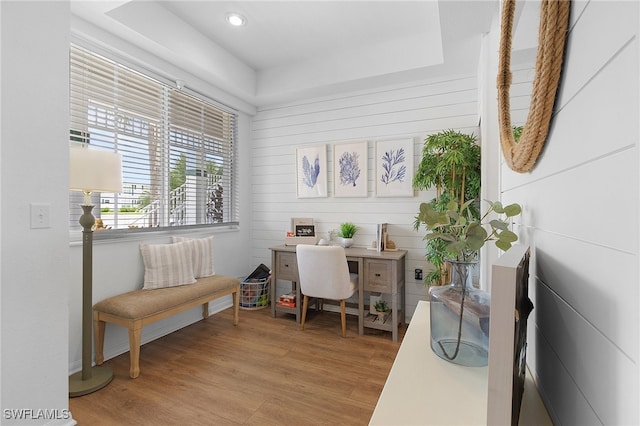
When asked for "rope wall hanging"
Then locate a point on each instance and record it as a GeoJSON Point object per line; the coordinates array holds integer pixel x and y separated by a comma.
{"type": "Point", "coordinates": [554, 21]}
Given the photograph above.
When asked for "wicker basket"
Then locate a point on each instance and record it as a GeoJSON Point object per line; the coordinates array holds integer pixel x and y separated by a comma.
{"type": "Point", "coordinates": [254, 293]}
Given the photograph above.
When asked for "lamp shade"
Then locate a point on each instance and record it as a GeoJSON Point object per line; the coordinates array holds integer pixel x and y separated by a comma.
{"type": "Point", "coordinates": [92, 170]}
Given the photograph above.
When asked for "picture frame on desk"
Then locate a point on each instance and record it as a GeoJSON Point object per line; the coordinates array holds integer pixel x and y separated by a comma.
{"type": "Point", "coordinates": [303, 231]}
{"type": "Point", "coordinates": [297, 221]}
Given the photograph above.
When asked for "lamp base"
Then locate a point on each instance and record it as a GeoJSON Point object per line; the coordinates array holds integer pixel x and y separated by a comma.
{"type": "Point", "coordinates": [100, 377]}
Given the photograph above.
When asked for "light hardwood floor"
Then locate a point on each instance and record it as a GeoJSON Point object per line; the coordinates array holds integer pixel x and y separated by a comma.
{"type": "Point", "coordinates": [265, 371]}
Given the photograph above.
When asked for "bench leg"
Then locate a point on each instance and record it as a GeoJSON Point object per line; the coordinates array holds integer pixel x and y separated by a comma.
{"type": "Point", "coordinates": [98, 338]}
{"type": "Point", "coordinates": [236, 306]}
{"type": "Point", "coordinates": [205, 310]}
{"type": "Point", "coordinates": [135, 331]}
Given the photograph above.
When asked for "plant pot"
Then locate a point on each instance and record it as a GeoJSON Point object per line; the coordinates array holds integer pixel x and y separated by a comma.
{"type": "Point", "coordinates": [382, 315]}
{"type": "Point", "coordinates": [345, 242]}
{"type": "Point", "coordinates": [460, 319]}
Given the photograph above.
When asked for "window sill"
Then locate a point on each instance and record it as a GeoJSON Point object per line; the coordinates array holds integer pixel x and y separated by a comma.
{"type": "Point", "coordinates": [142, 234]}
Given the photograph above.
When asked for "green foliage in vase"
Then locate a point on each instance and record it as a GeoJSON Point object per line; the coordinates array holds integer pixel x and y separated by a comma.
{"type": "Point", "coordinates": [347, 230]}
{"type": "Point", "coordinates": [462, 233]}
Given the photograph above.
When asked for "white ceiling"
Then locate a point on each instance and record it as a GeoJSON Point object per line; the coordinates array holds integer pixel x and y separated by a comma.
{"type": "Point", "coordinates": [292, 49]}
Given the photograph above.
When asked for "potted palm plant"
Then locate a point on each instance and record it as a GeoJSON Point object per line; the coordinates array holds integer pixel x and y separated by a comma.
{"type": "Point", "coordinates": [451, 164]}
{"type": "Point", "coordinates": [346, 233]}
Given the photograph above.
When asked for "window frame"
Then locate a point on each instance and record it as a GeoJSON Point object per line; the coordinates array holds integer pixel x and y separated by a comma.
{"type": "Point", "coordinates": [231, 211]}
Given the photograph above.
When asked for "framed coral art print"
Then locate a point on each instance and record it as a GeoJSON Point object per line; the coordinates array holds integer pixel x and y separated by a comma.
{"type": "Point", "coordinates": [311, 171]}
{"type": "Point", "coordinates": [350, 162]}
{"type": "Point", "coordinates": [394, 168]}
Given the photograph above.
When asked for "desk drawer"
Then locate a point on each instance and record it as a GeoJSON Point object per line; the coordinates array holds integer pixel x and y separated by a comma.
{"type": "Point", "coordinates": [287, 267]}
{"type": "Point", "coordinates": [377, 275]}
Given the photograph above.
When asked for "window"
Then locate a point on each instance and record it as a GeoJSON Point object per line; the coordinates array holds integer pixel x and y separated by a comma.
{"type": "Point", "coordinates": [177, 149]}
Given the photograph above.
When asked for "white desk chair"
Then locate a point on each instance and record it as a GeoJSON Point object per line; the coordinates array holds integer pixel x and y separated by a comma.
{"type": "Point", "coordinates": [324, 274]}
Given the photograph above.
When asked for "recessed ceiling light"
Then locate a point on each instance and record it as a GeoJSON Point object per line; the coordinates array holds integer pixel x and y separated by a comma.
{"type": "Point", "coordinates": [236, 19]}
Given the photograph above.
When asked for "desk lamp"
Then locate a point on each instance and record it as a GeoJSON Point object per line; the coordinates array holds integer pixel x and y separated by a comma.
{"type": "Point", "coordinates": [91, 170]}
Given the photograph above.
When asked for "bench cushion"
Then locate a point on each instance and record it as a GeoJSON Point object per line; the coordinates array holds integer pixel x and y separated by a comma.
{"type": "Point", "coordinates": [140, 304]}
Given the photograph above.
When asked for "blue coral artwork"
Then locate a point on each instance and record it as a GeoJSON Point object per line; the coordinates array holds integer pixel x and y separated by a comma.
{"type": "Point", "coordinates": [350, 164]}
{"type": "Point", "coordinates": [394, 168]}
{"type": "Point", "coordinates": [311, 171]}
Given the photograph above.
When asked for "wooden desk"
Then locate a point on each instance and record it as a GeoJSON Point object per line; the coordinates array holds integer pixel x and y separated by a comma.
{"type": "Point", "coordinates": [381, 272]}
{"type": "Point", "coordinates": [423, 389]}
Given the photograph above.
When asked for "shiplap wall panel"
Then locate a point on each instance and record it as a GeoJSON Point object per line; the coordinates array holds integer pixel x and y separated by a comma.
{"type": "Point", "coordinates": [381, 96]}
{"type": "Point", "coordinates": [520, 93]}
{"type": "Point", "coordinates": [577, 281]}
{"type": "Point", "coordinates": [554, 384]}
{"type": "Point", "coordinates": [375, 130]}
{"type": "Point", "coordinates": [415, 109]}
{"type": "Point", "coordinates": [584, 350]}
{"type": "Point", "coordinates": [616, 24]}
{"type": "Point", "coordinates": [416, 103]}
{"type": "Point", "coordinates": [597, 367]}
{"type": "Point", "coordinates": [595, 103]}
{"type": "Point", "coordinates": [565, 192]}
{"type": "Point", "coordinates": [446, 113]}
{"type": "Point", "coordinates": [395, 112]}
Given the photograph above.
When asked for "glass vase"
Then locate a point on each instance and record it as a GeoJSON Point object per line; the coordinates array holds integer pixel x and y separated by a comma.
{"type": "Point", "coordinates": [460, 318]}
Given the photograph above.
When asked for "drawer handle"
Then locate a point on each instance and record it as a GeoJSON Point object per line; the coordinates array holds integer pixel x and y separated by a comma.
{"type": "Point", "coordinates": [378, 275]}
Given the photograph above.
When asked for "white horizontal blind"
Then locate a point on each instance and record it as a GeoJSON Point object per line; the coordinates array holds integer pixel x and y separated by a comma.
{"type": "Point", "coordinates": [177, 149]}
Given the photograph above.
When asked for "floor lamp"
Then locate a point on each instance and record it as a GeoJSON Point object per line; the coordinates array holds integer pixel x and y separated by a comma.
{"type": "Point", "coordinates": [91, 170]}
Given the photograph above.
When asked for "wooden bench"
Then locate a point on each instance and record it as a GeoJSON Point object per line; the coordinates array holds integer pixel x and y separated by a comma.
{"type": "Point", "coordinates": [138, 308]}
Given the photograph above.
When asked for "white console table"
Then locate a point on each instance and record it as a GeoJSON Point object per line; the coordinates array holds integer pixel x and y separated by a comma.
{"type": "Point", "coordinates": [423, 389]}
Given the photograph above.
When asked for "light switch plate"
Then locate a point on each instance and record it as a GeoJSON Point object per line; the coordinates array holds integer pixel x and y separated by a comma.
{"type": "Point", "coordinates": [40, 213]}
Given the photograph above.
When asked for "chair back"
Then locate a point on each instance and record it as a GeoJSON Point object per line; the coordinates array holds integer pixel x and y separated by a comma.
{"type": "Point", "coordinates": [324, 272]}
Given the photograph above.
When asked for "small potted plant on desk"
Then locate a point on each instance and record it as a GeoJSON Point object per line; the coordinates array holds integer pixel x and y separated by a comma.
{"type": "Point", "coordinates": [346, 233]}
{"type": "Point", "coordinates": [382, 309]}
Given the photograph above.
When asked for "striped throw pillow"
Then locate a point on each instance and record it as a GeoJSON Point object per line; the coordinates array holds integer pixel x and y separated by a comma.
{"type": "Point", "coordinates": [202, 255]}
{"type": "Point", "coordinates": [167, 265]}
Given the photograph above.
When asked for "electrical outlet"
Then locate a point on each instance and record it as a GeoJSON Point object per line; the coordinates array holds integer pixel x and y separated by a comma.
{"type": "Point", "coordinates": [418, 273]}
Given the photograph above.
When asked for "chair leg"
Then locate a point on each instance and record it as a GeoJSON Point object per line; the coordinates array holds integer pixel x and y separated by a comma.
{"type": "Point", "coordinates": [305, 304]}
{"type": "Point", "coordinates": [343, 317]}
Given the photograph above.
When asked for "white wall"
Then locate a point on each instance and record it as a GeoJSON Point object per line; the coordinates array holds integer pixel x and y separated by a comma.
{"type": "Point", "coordinates": [580, 217]}
{"type": "Point", "coordinates": [34, 169]}
{"type": "Point", "coordinates": [403, 111]}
